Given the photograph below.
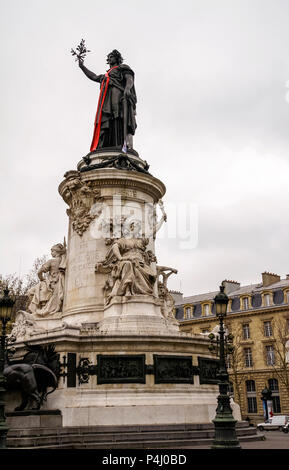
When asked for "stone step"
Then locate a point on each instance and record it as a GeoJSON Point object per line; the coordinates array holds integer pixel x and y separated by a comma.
{"type": "Point", "coordinates": [81, 437]}
{"type": "Point", "coordinates": [172, 444]}
{"type": "Point", "coordinates": [18, 431]}
{"type": "Point", "coordinates": [130, 428]}
{"type": "Point", "coordinates": [109, 438]}
{"type": "Point", "coordinates": [42, 433]}
{"type": "Point", "coordinates": [159, 444]}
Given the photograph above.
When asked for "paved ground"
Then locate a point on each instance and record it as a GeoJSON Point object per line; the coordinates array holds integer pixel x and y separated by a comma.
{"type": "Point", "coordinates": [273, 440]}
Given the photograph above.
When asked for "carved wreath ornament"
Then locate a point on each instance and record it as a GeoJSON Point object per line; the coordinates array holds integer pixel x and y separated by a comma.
{"type": "Point", "coordinates": [80, 196]}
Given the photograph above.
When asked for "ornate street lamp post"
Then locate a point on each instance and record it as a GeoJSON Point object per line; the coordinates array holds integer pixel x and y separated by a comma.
{"type": "Point", "coordinates": [224, 422]}
{"type": "Point", "coordinates": [6, 307]}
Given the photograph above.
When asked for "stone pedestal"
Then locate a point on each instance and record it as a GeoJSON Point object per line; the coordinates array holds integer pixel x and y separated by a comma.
{"type": "Point", "coordinates": [133, 331]}
{"type": "Point", "coordinates": [135, 315]}
{"type": "Point", "coordinates": [94, 197]}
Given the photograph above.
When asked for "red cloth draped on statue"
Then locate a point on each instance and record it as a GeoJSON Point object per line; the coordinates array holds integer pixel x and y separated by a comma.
{"type": "Point", "coordinates": [97, 122]}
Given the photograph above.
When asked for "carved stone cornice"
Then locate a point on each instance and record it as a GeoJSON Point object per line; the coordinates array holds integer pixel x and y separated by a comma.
{"type": "Point", "coordinates": [103, 178]}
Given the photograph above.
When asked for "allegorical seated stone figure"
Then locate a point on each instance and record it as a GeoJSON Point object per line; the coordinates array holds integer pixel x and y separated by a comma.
{"type": "Point", "coordinates": [47, 295]}
{"type": "Point", "coordinates": [129, 266]}
{"type": "Point", "coordinates": [167, 299]}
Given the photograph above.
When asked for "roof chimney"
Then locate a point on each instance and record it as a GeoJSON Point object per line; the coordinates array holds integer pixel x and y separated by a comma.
{"type": "Point", "coordinates": [177, 296]}
{"type": "Point", "coordinates": [231, 286]}
{"type": "Point", "coordinates": [269, 278]}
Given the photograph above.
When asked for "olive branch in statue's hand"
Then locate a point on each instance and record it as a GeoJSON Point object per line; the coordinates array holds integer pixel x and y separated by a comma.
{"type": "Point", "coordinates": [80, 52]}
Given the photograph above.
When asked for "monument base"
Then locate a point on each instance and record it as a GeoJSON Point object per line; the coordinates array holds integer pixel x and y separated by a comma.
{"type": "Point", "coordinates": [126, 379]}
{"type": "Point", "coordinates": [166, 405]}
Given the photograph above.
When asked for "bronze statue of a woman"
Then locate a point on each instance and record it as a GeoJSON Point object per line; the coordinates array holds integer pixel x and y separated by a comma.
{"type": "Point", "coordinates": [115, 116]}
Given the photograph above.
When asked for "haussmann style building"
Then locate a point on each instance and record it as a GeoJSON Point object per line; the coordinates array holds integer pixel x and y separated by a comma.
{"type": "Point", "coordinates": [258, 318]}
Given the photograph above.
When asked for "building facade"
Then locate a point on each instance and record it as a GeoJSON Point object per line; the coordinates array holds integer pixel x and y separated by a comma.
{"type": "Point", "coordinates": [258, 318]}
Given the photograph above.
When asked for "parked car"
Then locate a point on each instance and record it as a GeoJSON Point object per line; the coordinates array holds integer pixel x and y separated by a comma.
{"type": "Point", "coordinates": [286, 427]}
{"type": "Point", "coordinates": [276, 422]}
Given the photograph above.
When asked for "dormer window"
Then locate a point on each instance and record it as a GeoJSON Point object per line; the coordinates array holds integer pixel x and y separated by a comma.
{"type": "Point", "coordinates": [207, 309]}
{"type": "Point", "coordinates": [188, 312]}
{"type": "Point", "coordinates": [245, 303]}
{"type": "Point", "coordinates": [267, 300]}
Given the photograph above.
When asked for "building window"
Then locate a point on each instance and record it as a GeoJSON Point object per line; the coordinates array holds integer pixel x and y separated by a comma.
{"type": "Point", "coordinates": [276, 404]}
{"type": "Point", "coordinates": [245, 303]}
{"type": "Point", "coordinates": [251, 396]}
{"type": "Point", "coordinates": [268, 328]}
{"type": "Point", "coordinates": [267, 300]}
{"type": "Point", "coordinates": [274, 387]}
{"type": "Point", "coordinates": [246, 331]}
{"type": "Point", "coordinates": [250, 386]}
{"type": "Point", "coordinates": [207, 309]}
{"type": "Point", "coordinates": [270, 355]}
{"type": "Point", "coordinates": [248, 357]}
{"type": "Point", "coordinates": [252, 404]}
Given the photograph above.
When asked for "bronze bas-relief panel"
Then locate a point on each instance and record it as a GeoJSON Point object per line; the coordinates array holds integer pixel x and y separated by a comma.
{"type": "Point", "coordinates": [120, 369]}
{"type": "Point", "coordinates": [173, 369]}
{"type": "Point", "coordinates": [208, 370]}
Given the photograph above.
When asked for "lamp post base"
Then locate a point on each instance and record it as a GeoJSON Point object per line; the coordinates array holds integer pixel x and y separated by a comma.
{"type": "Point", "coordinates": [225, 434]}
{"type": "Point", "coordinates": [225, 424]}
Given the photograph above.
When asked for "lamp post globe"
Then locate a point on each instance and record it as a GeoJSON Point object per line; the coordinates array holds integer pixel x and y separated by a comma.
{"type": "Point", "coordinates": [6, 313]}
{"type": "Point", "coordinates": [6, 307]}
{"type": "Point", "coordinates": [221, 302]}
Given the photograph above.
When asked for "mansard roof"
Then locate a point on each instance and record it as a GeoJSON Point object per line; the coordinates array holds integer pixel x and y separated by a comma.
{"type": "Point", "coordinates": [250, 289]}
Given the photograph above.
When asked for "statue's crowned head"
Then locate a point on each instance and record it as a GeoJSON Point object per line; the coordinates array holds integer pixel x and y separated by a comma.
{"type": "Point", "coordinates": [114, 56]}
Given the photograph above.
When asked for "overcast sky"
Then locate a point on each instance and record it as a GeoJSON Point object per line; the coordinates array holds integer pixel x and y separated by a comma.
{"type": "Point", "coordinates": [213, 123]}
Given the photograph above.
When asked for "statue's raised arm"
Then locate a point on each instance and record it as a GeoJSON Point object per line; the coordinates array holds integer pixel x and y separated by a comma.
{"type": "Point", "coordinates": [91, 75]}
